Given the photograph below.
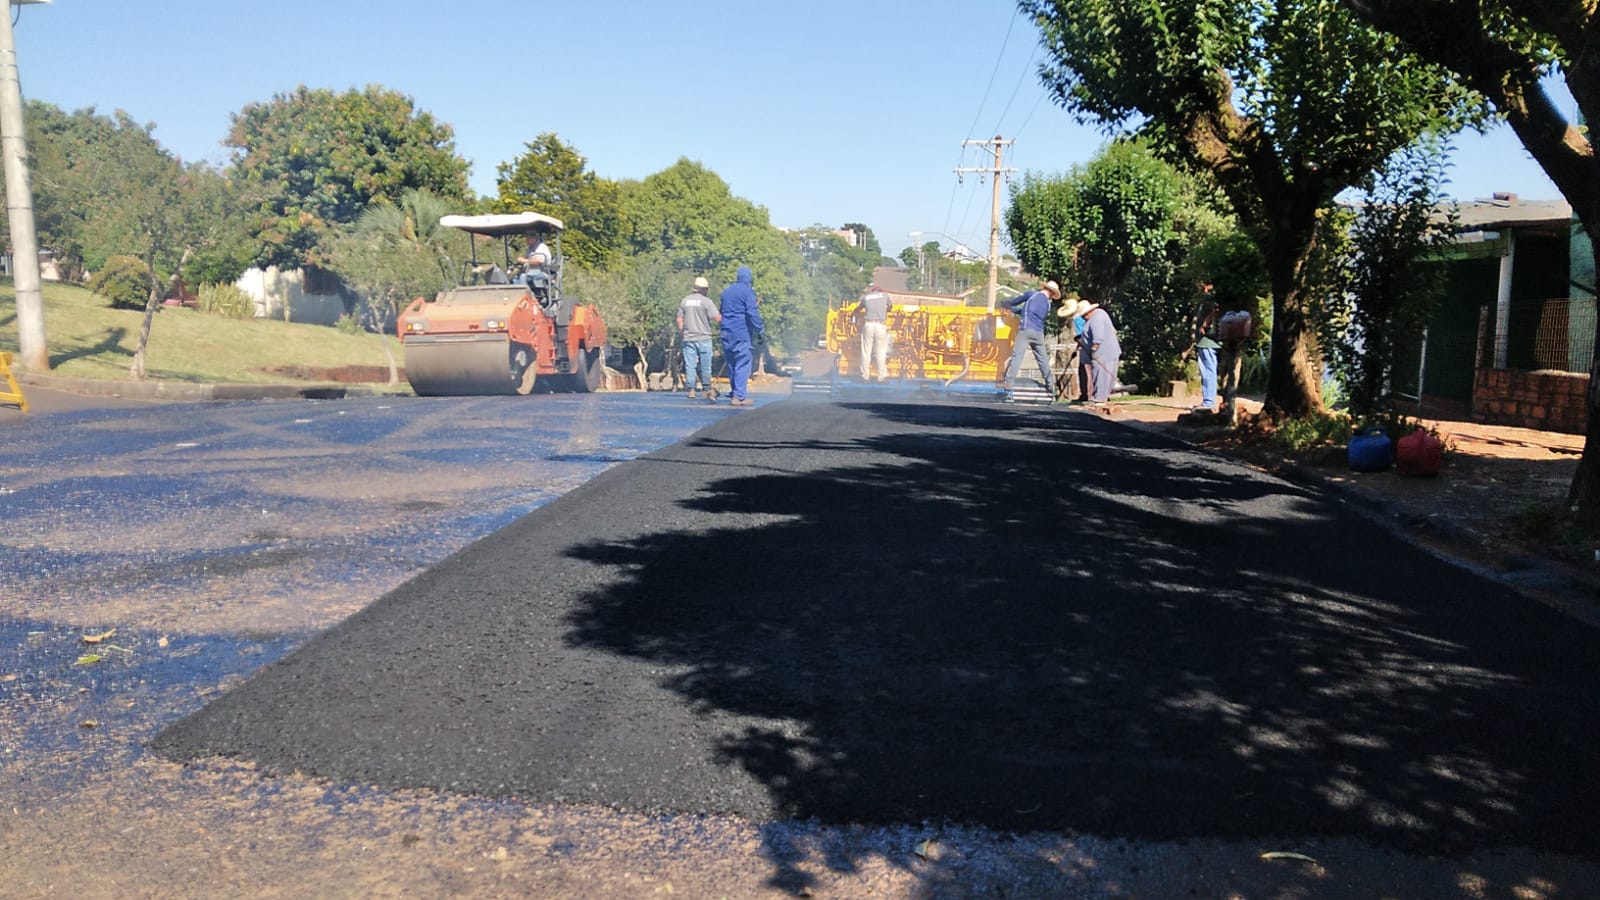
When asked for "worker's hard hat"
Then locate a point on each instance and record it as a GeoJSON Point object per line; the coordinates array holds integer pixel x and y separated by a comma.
{"type": "Point", "coordinates": [701, 282]}
{"type": "Point", "coordinates": [1053, 289]}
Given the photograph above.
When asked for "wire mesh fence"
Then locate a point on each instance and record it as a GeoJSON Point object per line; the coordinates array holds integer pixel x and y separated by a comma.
{"type": "Point", "coordinates": [1554, 334]}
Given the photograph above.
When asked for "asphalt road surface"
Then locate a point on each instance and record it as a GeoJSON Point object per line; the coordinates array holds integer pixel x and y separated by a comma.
{"type": "Point", "coordinates": [1025, 620]}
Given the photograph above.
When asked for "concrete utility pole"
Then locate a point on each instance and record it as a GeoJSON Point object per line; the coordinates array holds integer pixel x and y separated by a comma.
{"type": "Point", "coordinates": [32, 355]}
{"type": "Point", "coordinates": [996, 146]}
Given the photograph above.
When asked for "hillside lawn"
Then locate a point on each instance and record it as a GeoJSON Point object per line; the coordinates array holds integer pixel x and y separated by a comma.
{"type": "Point", "coordinates": [88, 339]}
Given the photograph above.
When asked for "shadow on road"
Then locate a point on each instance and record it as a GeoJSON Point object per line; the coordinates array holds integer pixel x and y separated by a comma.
{"type": "Point", "coordinates": [1017, 626]}
{"type": "Point", "coordinates": [1026, 620]}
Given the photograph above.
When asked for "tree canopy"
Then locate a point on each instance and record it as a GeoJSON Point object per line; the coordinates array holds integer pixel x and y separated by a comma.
{"type": "Point", "coordinates": [551, 177]}
{"type": "Point", "coordinates": [1119, 230]}
{"type": "Point", "coordinates": [1284, 104]}
{"type": "Point", "coordinates": [319, 158]}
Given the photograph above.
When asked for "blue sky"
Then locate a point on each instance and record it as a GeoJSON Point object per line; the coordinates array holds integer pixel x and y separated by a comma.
{"type": "Point", "coordinates": [825, 112]}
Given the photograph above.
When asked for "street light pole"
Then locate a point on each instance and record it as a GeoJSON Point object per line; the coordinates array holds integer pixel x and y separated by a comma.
{"type": "Point", "coordinates": [32, 355]}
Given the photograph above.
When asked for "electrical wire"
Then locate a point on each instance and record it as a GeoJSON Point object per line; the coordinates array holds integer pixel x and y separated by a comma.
{"type": "Point", "coordinates": [1020, 78]}
{"type": "Point", "coordinates": [978, 114]}
{"type": "Point", "coordinates": [998, 59]}
{"type": "Point", "coordinates": [1037, 100]}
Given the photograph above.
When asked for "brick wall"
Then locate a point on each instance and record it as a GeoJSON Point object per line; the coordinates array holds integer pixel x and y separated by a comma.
{"type": "Point", "coordinates": [1548, 401]}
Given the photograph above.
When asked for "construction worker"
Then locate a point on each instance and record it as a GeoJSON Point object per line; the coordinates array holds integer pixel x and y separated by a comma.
{"type": "Point", "coordinates": [696, 312]}
{"type": "Point", "coordinates": [1033, 309]}
{"type": "Point", "coordinates": [741, 325]}
{"type": "Point", "coordinates": [535, 262]}
{"type": "Point", "coordinates": [873, 308]}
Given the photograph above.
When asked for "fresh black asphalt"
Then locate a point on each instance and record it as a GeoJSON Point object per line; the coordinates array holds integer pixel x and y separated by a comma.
{"type": "Point", "coordinates": [1027, 619]}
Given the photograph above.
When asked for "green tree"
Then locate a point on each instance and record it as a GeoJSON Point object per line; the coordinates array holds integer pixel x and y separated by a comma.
{"type": "Point", "coordinates": [397, 251]}
{"type": "Point", "coordinates": [552, 178]}
{"type": "Point", "coordinates": [1286, 105]}
{"type": "Point", "coordinates": [1392, 280]}
{"type": "Point", "coordinates": [109, 189]}
{"type": "Point", "coordinates": [319, 158]}
{"type": "Point", "coordinates": [835, 274]}
{"type": "Point", "coordinates": [866, 241]}
{"type": "Point", "coordinates": [88, 182]}
{"type": "Point", "coordinates": [638, 297]}
{"type": "Point", "coordinates": [170, 212]}
{"type": "Point", "coordinates": [1118, 230]}
{"type": "Point", "coordinates": [1503, 50]}
{"type": "Point", "coordinates": [687, 214]}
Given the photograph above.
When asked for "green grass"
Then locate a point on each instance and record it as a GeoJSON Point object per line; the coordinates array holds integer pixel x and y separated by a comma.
{"type": "Point", "coordinates": [88, 339]}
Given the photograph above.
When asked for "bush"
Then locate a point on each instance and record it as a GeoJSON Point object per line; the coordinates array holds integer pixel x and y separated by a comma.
{"type": "Point", "coordinates": [227, 300]}
{"type": "Point", "coordinates": [1301, 436]}
{"type": "Point", "coordinates": [123, 280]}
{"type": "Point", "coordinates": [349, 324]}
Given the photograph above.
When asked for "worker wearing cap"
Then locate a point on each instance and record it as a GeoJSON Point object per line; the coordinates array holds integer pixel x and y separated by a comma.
{"type": "Point", "coordinates": [873, 307]}
{"type": "Point", "coordinates": [1033, 308]}
{"type": "Point", "coordinates": [696, 312]}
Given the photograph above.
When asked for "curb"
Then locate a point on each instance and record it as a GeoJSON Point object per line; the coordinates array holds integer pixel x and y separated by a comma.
{"type": "Point", "coordinates": [194, 392]}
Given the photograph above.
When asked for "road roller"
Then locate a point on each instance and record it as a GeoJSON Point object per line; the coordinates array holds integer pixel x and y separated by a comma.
{"type": "Point", "coordinates": [507, 328]}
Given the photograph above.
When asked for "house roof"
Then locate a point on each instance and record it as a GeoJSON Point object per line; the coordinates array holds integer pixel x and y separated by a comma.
{"type": "Point", "coordinates": [1509, 210]}
{"type": "Point", "coordinates": [890, 278]}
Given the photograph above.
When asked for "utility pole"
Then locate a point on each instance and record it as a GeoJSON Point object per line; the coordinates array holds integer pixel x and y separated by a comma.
{"type": "Point", "coordinates": [32, 354]}
{"type": "Point", "coordinates": [996, 146]}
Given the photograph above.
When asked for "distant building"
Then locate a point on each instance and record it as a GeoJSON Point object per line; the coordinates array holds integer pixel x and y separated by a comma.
{"type": "Point", "coordinates": [308, 296]}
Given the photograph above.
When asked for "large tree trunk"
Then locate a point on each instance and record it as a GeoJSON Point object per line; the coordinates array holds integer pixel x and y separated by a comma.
{"type": "Point", "coordinates": [1280, 215]}
{"type": "Point", "coordinates": [1285, 230]}
{"type": "Point", "coordinates": [1294, 382]}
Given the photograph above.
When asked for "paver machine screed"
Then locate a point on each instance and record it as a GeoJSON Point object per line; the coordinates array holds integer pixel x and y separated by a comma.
{"type": "Point", "coordinates": [503, 330]}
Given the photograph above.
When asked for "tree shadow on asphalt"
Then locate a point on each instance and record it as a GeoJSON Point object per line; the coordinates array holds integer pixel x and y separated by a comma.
{"type": "Point", "coordinates": [1025, 623]}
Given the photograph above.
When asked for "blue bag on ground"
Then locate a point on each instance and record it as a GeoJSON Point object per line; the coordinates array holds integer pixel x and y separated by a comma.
{"type": "Point", "coordinates": [1370, 451]}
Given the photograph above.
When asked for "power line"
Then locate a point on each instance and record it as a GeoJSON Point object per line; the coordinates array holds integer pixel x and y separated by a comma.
{"type": "Point", "coordinates": [998, 59]}
{"type": "Point", "coordinates": [1029, 117]}
{"type": "Point", "coordinates": [1013, 97]}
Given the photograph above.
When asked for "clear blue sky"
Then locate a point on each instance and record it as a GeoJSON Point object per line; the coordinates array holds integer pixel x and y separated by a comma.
{"type": "Point", "coordinates": [826, 112]}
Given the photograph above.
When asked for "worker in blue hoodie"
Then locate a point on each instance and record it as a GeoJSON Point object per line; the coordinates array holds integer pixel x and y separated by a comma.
{"type": "Point", "coordinates": [741, 325]}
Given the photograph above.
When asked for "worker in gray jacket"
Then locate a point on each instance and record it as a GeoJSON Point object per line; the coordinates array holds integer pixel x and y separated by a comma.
{"type": "Point", "coordinates": [696, 314]}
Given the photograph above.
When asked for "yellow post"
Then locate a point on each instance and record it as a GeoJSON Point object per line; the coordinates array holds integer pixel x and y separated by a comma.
{"type": "Point", "coordinates": [14, 394]}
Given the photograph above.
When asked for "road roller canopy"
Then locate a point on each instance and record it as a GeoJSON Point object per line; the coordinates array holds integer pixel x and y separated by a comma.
{"type": "Point", "coordinates": [503, 225]}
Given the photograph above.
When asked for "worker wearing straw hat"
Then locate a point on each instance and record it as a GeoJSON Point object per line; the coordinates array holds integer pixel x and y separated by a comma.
{"type": "Point", "coordinates": [1105, 352]}
{"type": "Point", "coordinates": [1032, 308]}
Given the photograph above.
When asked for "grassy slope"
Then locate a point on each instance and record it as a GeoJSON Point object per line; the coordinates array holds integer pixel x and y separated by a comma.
{"type": "Point", "coordinates": [88, 339]}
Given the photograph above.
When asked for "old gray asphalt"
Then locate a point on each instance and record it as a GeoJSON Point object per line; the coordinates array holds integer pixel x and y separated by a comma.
{"type": "Point", "coordinates": [1019, 618]}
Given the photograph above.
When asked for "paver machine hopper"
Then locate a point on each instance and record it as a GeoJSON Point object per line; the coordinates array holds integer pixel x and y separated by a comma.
{"type": "Point", "coordinates": [503, 330]}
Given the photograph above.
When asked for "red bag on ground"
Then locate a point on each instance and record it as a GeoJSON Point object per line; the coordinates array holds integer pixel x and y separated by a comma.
{"type": "Point", "coordinates": [1418, 453]}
